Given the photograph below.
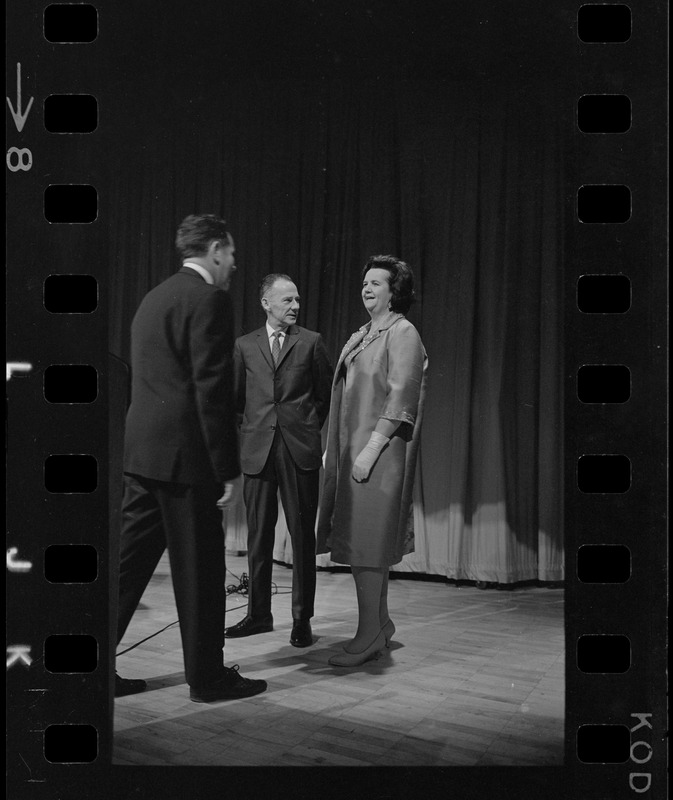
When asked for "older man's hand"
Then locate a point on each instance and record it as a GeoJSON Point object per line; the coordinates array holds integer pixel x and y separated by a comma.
{"type": "Point", "coordinates": [232, 493]}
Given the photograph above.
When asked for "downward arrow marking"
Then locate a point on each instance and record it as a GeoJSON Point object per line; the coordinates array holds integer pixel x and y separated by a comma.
{"type": "Point", "coordinates": [19, 116]}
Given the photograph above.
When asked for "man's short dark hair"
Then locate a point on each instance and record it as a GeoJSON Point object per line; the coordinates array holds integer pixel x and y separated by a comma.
{"type": "Point", "coordinates": [401, 281]}
{"type": "Point", "coordinates": [197, 231]}
{"type": "Point", "coordinates": [269, 280]}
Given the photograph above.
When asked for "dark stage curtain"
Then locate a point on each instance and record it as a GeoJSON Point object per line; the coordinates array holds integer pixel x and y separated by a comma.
{"type": "Point", "coordinates": [462, 180]}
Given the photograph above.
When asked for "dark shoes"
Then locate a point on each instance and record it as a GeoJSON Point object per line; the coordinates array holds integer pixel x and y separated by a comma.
{"type": "Point", "coordinates": [124, 686]}
{"type": "Point", "coordinates": [247, 627]}
{"type": "Point", "coordinates": [301, 635]}
{"type": "Point", "coordinates": [231, 686]}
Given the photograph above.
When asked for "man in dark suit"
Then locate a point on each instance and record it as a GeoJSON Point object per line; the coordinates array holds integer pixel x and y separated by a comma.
{"type": "Point", "coordinates": [181, 461]}
{"type": "Point", "coordinates": [283, 380]}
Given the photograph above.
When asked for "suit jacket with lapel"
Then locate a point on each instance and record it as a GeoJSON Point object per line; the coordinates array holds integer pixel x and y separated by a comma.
{"type": "Point", "coordinates": [181, 424]}
{"type": "Point", "coordinates": [294, 396]}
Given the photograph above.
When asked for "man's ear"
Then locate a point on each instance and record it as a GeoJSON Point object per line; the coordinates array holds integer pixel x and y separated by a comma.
{"type": "Point", "coordinates": [213, 247]}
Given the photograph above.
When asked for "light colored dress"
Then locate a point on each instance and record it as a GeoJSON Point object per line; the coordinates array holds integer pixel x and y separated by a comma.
{"type": "Point", "coordinates": [380, 373]}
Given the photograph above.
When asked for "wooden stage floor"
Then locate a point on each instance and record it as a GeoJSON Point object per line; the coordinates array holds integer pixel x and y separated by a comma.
{"type": "Point", "coordinates": [473, 678]}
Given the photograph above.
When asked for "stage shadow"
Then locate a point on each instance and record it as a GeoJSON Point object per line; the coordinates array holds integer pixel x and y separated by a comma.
{"type": "Point", "coordinates": [310, 661]}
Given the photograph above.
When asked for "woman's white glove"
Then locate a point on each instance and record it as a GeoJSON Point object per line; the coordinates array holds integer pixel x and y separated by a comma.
{"type": "Point", "coordinates": [368, 456]}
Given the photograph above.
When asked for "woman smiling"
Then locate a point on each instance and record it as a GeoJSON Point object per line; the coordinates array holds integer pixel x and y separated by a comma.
{"type": "Point", "coordinates": [372, 442]}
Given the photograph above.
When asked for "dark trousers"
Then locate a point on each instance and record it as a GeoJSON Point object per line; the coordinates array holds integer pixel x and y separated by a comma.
{"type": "Point", "coordinates": [299, 496]}
{"type": "Point", "coordinates": [185, 519]}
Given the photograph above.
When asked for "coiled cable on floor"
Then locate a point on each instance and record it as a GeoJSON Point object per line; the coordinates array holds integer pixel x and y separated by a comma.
{"type": "Point", "coordinates": [242, 587]}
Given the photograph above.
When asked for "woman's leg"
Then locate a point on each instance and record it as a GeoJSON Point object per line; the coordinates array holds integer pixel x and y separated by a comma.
{"type": "Point", "coordinates": [387, 625]}
{"type": "Point", "coordinates": [368, 586]}
{"type": "Point", "coordinates": [384, 614]}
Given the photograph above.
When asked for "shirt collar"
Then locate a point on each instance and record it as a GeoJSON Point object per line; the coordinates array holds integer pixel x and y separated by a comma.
{"type": "Point", "coordinates": [270, 332]}
{"type": "Point", "coordinates": [203, 272]}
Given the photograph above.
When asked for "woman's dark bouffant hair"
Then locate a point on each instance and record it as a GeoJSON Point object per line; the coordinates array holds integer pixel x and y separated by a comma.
{"type": "Point", "coordinates": [401, 281]}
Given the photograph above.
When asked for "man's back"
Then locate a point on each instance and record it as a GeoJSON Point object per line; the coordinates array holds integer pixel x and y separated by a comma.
{"type": "Point", "coordinates": [181, 423]}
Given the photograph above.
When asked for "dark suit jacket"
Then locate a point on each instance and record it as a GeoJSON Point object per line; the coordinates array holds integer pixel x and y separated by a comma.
{"type": "Point", "coordinates": [181, 425]}
{"type": "Point", "coordinates": [295, 396]}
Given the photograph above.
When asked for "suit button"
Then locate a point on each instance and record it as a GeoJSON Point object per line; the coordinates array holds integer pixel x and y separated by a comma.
{"type": "Point", "coordinates": [273, 427]}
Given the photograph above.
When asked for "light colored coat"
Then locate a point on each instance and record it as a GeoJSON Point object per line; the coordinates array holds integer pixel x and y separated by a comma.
{"type": "Point", "coordinates": [370, 523]}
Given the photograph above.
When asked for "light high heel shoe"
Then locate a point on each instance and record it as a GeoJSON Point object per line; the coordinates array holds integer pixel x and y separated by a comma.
{"type": "Point", "coordinates": [388, 631]}
{"type": "Point", "coordinates": [355, 659]}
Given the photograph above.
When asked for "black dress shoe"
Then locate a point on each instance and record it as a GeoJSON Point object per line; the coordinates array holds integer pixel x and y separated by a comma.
{"type": "Point", "coordinates": [124, 686]}
{"type": "Point", "coordinates": [231, 686]}
{"type": "Point", "coordinates": [301, 635]}
{"type": "Point", "coordinates": [247, 627]}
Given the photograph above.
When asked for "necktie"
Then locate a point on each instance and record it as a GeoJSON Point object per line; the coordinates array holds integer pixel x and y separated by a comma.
{"type": "Point", "coordinates": [275, 348]}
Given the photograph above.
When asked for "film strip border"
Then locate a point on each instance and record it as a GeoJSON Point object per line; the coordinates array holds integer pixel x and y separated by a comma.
{"type": "Point", "coordinates": [59, 559]}
{"type": "Point", "coordinates": [59, 655]}
{"type": "Point", "coordinates": [615, 407]}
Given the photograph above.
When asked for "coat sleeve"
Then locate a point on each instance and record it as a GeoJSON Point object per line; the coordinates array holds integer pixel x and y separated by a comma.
{"type": "Point", "coordinates": [406, 357]}
{"type": "Point", "coordinates": [239, 380]}
{"type": "Point", "coordinates": [211, 344]}
{"type": "Point", "coordinates": [322, 379]}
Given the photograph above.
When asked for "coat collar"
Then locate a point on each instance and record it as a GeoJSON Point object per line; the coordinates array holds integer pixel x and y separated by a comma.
{"type": "Point", "coordinates": [364, 336]}
{"type": "Point", "coordinates": [385, 323]}
{"type": "Point", "coordinates": [200, 270]}
{"type": "Point", "coordinates": [291, 339]}
{"type": "Point", "coordinates": [185, 270]}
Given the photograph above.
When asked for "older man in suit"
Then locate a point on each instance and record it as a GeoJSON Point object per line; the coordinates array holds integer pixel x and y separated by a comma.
{"type": "Point", "coordinates": [181, 460]}
{"type": "Point", "coordinates": [283, 381]}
